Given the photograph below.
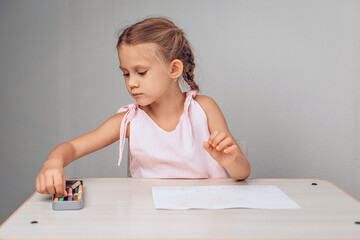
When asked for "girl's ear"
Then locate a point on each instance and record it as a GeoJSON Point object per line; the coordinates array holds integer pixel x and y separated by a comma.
{"type": "Point", "coordinates": [176, 68]}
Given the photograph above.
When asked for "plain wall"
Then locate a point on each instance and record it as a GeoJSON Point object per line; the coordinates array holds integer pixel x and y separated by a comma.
{"type": "Point", "coordinates": [285, 74]}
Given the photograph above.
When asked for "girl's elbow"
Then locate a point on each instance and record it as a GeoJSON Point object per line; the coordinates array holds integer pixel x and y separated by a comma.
{"type": "Point", "coordinates": [243, 176]}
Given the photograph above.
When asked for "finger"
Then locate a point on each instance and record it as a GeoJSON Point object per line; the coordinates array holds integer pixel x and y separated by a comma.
{"type": "Point", "coordinates": [230, 149]}
{"type": "Point", "coordinates": [213, 153]}
{"type": "Point", "coordinates": [208, 147]}
{"type": "Point", "coordinates": [220, 137]}
{"type": "Point", "coordinates": [64, 185]}
{"type": "Point", "coordinates": [212, 136]}
{"type": "Point", "coordinates": [37, 184]}
{"type": "Point", "coordinates": [50, 184]}
{"type": "Point", "coordinates": [227, 142]}
{"type": "Point", "coordinates": [58, 184]}
{"type": "Point", "coordinates": [42, 184]}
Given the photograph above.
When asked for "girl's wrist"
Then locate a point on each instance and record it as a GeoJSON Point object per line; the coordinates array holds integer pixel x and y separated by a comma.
{"type": "Point", "coordinates": [239, 168]}
{"type": "Point", "coordinates": [53, 163]}
{"type": "Point", "coordinates": [231, 163]}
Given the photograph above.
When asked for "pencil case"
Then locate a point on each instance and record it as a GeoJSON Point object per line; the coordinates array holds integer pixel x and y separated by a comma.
{"type": "Point", "coordinates": [72, 203]}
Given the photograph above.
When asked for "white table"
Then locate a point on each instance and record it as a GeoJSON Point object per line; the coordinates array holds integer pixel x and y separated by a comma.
{"type": "Point", "coordinates": [122, 208]}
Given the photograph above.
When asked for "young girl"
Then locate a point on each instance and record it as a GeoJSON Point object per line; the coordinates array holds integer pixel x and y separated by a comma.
{"type": "Point", "coordinates": [171, 134]}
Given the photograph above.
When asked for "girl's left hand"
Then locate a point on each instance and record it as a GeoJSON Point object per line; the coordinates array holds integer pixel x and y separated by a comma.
{"type": "Point", "coordinates": [222, 148]}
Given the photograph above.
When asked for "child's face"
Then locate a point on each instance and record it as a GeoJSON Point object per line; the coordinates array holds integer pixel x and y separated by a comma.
{"type": "Point", "coordinates": [147, 80]}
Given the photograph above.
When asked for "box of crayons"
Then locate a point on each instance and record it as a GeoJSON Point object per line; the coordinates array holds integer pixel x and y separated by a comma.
{"type": "Point", "coordinates": [75, 198]}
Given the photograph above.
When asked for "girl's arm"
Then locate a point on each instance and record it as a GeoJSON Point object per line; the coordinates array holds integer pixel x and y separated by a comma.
{"type": "Point", "coordinates": [221, 145]}
{"type": "Point", "coordinates": [51, 178]}
{"type": "Point", "coordinates": [106, 134]}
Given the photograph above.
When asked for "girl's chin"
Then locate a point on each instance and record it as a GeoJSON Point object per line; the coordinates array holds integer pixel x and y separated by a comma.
{"type": "Point", "coordinates": [142, 103]}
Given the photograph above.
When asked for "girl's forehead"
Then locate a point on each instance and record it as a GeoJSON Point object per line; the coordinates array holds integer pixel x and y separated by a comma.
{"type": "Point", "coordinates": [143, 52]}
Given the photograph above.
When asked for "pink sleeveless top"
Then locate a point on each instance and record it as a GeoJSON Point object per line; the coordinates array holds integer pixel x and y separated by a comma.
{"type": "Point", "coordinates": [156, 153]}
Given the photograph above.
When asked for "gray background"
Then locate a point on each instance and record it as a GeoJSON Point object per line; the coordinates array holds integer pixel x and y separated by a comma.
{"type": "Point", "coordinates": [285, 74]}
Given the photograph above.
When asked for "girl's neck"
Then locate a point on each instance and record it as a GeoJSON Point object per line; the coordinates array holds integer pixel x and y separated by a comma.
{"type": "Point", "coordinates": [170, 105]}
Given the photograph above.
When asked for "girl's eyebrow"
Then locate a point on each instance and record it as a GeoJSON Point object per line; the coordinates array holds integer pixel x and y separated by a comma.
{"type": "Point", "coordinates": [135, 67]}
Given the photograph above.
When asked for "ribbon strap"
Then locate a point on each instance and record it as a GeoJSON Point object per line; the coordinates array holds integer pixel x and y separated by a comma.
{"type": "Point", "coordinates": [189, 96]}
{"type": "Point", "coordinates": [130, 113]}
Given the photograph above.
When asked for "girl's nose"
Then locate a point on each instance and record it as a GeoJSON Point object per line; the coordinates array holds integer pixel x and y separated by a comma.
{"type": "Point", "coordinates": [133, 82]}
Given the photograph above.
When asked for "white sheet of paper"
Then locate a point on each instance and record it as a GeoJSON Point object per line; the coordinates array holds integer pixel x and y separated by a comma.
{"type": "Point", "coordinates": [220, 197]}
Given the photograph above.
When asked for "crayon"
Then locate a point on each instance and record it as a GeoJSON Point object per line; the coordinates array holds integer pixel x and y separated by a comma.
{"type": "Point", "coordinates": [76, 194]}
{"type": "Point", "coordinates": [61, 199]}
{"type": "Point", "coordinates": [75, 185]}
{"type": "Point", "coordinates": [80, 192]}
{"type": "Point", "coordinates": [56, 199]}
{"type": "Point", "coordinates": [70, 194]}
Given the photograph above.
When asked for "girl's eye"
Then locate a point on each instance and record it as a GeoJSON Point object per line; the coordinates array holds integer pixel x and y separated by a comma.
{"type": "Point", "coordinates": [126, 74]}
{"type": "Point", "coordinates": [142, 73]}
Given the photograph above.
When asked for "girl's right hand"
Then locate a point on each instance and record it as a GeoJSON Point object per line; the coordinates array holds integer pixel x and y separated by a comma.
{"type": "Point", "coordinates": [51, 180]}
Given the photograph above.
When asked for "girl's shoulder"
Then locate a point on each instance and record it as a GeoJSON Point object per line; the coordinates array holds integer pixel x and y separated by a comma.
{"type": "Point", "coordinates": [216, 119]}
{"type": "Point", "coordinates": [206, 103]}
{"type": "Point", "coordinates": [117, 119]}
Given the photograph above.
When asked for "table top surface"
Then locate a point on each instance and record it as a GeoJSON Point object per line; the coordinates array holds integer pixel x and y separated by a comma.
{"type": "Point", "coordinates": [122, 208]}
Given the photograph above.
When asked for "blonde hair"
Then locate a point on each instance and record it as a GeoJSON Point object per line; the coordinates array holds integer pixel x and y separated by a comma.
{"type": "Point", "coordinates": [169, 39]}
